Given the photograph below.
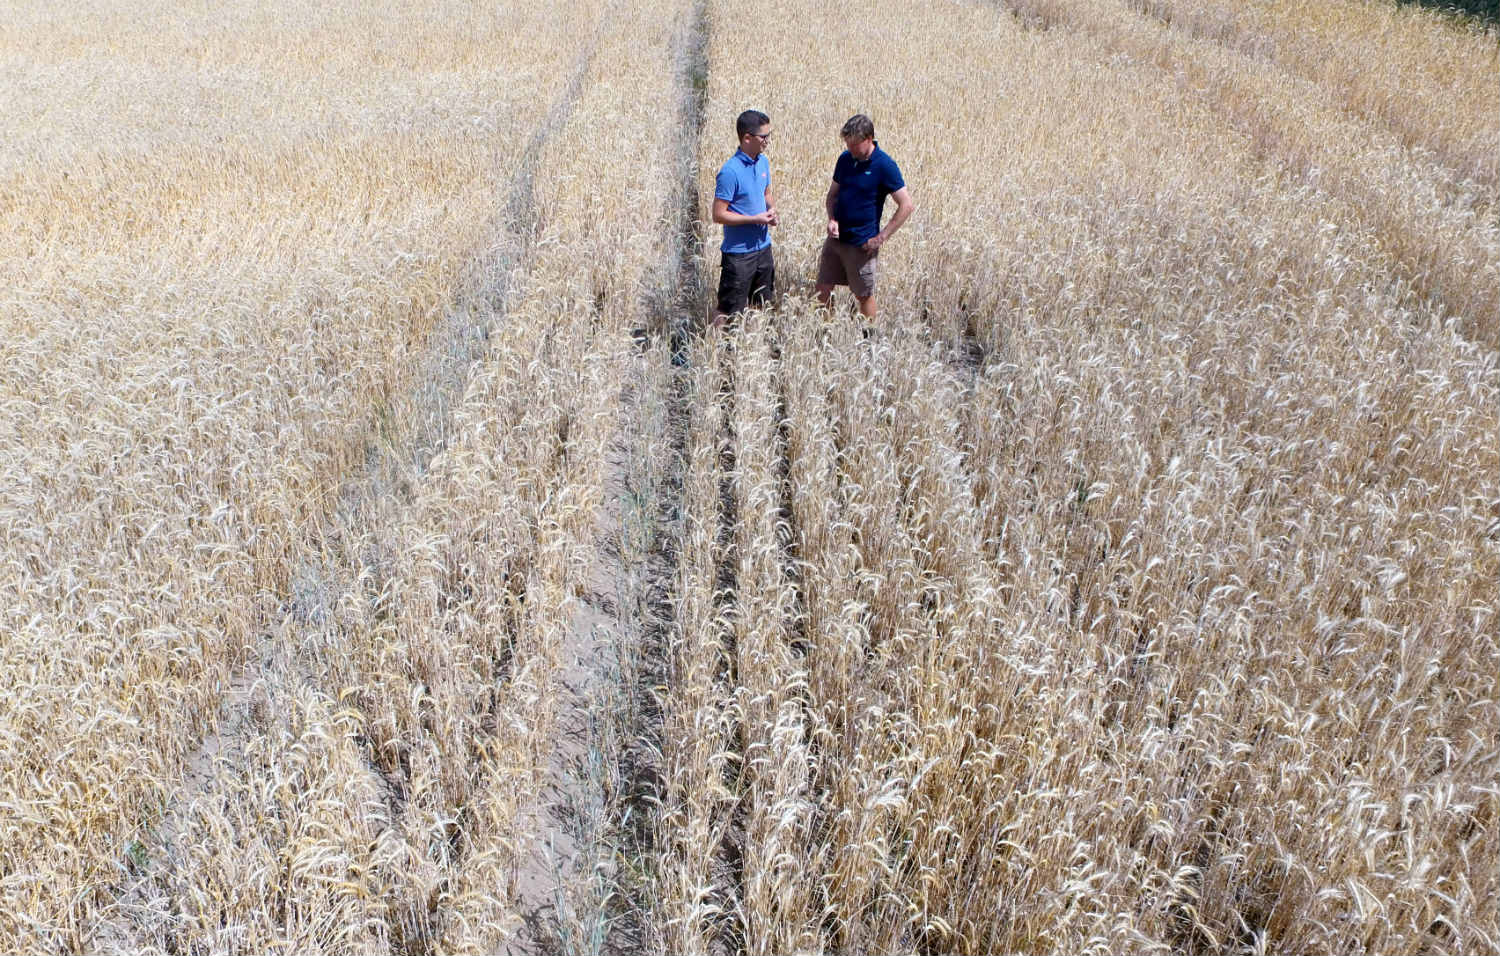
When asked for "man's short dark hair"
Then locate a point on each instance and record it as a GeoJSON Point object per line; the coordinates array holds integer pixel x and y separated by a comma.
{"type": "Point", "coordinates": [858, 125]}
{"type": "Point", "coordinates": [750, 121]}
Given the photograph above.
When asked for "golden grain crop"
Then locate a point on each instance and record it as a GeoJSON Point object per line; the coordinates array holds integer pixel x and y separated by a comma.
{"type": "Point", "coordinates": [1143, 564]}
{"type": "Point", "coordinates": [237, 726]}
{"type": "Point", "coordinates": [1130, 587]}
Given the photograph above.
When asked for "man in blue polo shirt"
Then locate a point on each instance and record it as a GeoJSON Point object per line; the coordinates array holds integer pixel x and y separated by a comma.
{"type": "Point", "coordinates": [743, 206]}
{"type": "Point", "coordinates": [863, 176]}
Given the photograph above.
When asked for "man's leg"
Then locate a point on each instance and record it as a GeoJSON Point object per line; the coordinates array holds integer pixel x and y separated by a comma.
{"type": "Point", "coordinates": [862, 272]}
{"type": "Point", "coordinates": [763, 281]}
{"type": "Point", "coordinates": [830, 273]}
{"type": "Point", "coordinates": [734, 287]}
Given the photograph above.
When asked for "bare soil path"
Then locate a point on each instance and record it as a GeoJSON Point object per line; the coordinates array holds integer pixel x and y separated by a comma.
{"type": "Point", "coordinates": [583, 887]}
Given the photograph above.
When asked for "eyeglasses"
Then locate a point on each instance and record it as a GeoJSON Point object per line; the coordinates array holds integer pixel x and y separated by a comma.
{"type": "Point", "coordinates": [764, 138]}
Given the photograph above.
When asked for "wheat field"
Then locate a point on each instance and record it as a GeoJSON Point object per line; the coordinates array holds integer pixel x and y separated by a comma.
{"type": "Point", "coordinates": [393, 563]}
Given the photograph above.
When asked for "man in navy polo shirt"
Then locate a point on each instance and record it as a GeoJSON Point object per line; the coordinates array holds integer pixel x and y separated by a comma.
{"type": "Point", "coordinates": [743, 206]}
{"type": "Point", "coordinates": [863, 176]}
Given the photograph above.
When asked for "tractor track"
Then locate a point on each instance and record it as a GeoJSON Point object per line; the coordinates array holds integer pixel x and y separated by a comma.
{"type": "Point", "coordinates": [585, 885]}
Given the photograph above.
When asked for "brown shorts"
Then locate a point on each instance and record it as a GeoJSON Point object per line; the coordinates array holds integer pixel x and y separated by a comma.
{"type": "Point", "coordinates": [845, 264]}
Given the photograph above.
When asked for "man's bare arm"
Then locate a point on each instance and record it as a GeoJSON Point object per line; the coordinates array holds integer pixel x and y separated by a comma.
{"type": "Point", "coordinates": [833, 224]}
{"type": "Point", "coordinates": [724, 217]}
{"type": "Point", "coordinates": [904, 208]}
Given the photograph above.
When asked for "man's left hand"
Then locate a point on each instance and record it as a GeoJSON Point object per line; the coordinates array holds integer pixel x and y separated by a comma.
{"type": "Point", "coordinates": [873, 243]}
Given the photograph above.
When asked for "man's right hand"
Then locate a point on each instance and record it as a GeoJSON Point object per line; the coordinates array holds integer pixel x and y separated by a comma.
{"type": "Point", "coordinates": [833, 228]}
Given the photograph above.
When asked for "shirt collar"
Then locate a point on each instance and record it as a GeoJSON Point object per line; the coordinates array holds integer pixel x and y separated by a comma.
{"type": "Point", "coordinates": [744, 157]}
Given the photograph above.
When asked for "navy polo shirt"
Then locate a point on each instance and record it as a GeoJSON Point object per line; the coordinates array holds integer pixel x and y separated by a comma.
{"type": "Point", "coordinates": [863, 186]}
{"type": "Point", "coordinates": [743, 182]}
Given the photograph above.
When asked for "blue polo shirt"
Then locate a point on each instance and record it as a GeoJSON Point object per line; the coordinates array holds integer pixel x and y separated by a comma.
{"type": "Point", "coordinates": [743, 182]}
{"type": "Point", "coordinates": [863, 186]}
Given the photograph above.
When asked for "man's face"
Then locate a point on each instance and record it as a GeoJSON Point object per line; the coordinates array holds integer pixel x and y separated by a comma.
{"type": "Point", "coordinates": [861, 148]}
{"type": "Point", "coordinates": [755, 143]}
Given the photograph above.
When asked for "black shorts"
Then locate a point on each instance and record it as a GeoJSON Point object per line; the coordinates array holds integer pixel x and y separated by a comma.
{"type": "Point", "coordinates": [748, 278]}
